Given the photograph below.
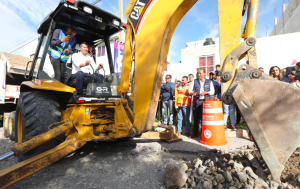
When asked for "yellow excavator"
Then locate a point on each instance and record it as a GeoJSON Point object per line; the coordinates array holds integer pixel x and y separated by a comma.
{"type": "Point", "coordinates": [52, 120]}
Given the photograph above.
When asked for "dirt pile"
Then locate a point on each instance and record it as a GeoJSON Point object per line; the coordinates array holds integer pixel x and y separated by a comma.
{"type": "Point", "coordinates": [245, 169]}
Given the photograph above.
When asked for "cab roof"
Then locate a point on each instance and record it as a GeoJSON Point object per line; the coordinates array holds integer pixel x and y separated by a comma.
{"type": "Point", "coordinates": [91, 22]}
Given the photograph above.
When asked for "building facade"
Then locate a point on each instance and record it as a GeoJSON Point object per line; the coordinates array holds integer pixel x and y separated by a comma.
{"type": "Point", "coordinates": [280, 50]}
{"type": "Point", "coordinates": [197, 54]}
{"type": "Point", "coordinates": [289, 21]}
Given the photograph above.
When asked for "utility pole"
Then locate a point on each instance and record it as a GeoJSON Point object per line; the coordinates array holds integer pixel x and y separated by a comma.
{"type": "Point", "coordinates": [121, 17]}
{"type": "Point", "coordinates": [275, 20]}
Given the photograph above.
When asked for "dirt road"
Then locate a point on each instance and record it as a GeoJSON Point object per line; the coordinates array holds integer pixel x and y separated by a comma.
{"type": "Point", "coordinates": [99, 165]}
{"type": "Point", "coordinates": [132, 164]}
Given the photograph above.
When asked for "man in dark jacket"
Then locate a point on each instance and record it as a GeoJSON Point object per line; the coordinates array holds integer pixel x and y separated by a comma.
{"type": "Point", "coordinates": [167, 93]}
{"type": "Point", "coordinates": [215, 83]}
{"type": "Point", "coordinates": [203, 89]}
{"type": "Point", "coordinates": [218, 86]}
{"type": "Point", "coordinates": [62, 45]}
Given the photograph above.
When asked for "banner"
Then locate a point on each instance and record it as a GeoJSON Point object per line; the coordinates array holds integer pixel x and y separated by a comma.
{"type": "Point", "coordinates": [118, 57]}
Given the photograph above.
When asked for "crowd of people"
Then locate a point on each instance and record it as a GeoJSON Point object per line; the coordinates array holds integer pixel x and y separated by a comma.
{"type": "Point", "coordinates": [184, 98]}
{"type": "Point", "coordinates": [288, 74]}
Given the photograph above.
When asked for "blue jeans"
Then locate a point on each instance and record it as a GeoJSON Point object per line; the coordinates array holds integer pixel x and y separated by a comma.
{"type": "Point", "coordinates": [183, 111]}
{"type": "Point", "coordinates": [168, 105]}
{"type": "Point", "coordinates": [229, 110]}
{"type": "Point", "coordinates": [79, 76]}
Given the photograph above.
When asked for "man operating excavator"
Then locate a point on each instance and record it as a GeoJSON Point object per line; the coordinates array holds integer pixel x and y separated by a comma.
{"type": "Point", "coordinates": [84, 66]}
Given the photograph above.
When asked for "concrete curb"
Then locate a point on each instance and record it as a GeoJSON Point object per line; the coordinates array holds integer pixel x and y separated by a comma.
{"type": "Point", "coordinates": [240, 133]}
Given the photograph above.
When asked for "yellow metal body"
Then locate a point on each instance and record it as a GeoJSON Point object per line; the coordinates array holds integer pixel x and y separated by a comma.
{"type": "Point", "coordinates": [230, 18]}
{"type": "Point", "coordinates": [49, 85]}
{"type": "Point", "coordinates": [149, 31]}
{"type": "Point", "coordinates": [5, 125]}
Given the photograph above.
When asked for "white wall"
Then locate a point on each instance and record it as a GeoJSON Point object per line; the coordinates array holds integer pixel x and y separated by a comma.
{"type": "Point", "coordinates": [30, 48]}
{"type": "Point", "coordinates": [104, 59]}
{"type": "Point", "coordinates": [289, 21]}
{"type": "Point", "coordinates": [280, 50]}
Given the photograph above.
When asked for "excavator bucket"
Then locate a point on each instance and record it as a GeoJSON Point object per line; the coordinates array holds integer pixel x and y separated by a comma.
{"type": "Point", "coordinates": [271, 111]}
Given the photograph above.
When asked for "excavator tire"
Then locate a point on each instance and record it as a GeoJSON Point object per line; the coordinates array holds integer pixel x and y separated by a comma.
{"type": "Point", "coordinates": [11, 125]}
{"type": "Point", "coordinates": [37, 111]}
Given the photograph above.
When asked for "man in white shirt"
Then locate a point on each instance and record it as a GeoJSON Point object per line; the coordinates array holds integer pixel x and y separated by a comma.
{"type": "Point", "coordinates": [203, 89]}
{"type": "Point", "coordinates": [83, 66]}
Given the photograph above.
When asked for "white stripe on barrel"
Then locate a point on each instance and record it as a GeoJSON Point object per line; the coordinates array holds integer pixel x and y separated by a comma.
{"type": "Point", "coordinates": [213, 123]}
{"type": "Point", "coordinates": [215, 110]}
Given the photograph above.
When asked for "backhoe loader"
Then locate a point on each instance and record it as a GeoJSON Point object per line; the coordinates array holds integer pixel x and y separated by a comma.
{"type": "Point", "coordinates": [53, 121]}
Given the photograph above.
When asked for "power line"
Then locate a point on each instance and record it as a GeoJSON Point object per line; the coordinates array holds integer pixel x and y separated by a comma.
{"type": "Point", "coordinates": [20, 43]}
{"type": "Point", "coordinates": [95, 2]}
{"type": "Point", "coordinates": [22, 46]}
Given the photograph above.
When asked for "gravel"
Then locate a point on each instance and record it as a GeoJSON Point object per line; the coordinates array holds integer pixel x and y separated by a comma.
{"type": "Point", "coordinates": [140, 164]}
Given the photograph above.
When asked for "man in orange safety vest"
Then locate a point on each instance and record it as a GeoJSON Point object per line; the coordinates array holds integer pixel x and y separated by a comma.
{"type": "Point", "coordinates": [182, 104]}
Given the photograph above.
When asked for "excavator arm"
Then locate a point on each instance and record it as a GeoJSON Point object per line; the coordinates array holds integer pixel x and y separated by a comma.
{"type": "Point", "coordinates": [150, 27]}
{"type": "Point", "coordinates": [151, 24]}
{"type": "Point", "coordinates": [272, 118]}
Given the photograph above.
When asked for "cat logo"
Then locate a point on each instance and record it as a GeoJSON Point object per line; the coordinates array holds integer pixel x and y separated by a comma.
{"type": "Point", "coordinates": [137, 10]}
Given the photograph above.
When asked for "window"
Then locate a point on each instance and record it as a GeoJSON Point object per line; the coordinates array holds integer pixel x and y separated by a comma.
{"type": "Point", "coordinates": [207, 63]}
{"type": "Point", "coordinates": [101, 51]}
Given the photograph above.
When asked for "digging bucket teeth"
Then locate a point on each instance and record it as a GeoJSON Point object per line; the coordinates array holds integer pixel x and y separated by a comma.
{"type": "Point", "coordinates": [271, 111]}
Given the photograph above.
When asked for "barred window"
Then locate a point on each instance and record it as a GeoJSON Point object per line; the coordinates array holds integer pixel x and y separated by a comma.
{"type": "Point", "coordinates": [207, 63]}
{"type": "Point", "coordinates": [101, 51]}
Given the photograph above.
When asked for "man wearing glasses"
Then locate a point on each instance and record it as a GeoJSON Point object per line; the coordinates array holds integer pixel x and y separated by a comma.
{"type": "Point", "coordinates": [167, 93]}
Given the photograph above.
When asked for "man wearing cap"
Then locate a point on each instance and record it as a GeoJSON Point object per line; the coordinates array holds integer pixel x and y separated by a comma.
{"type": "Point", "coordinates": [62, 45]}
{"type": "Point", "coordinates": [292, 77]}
{"type": "Point", "coordinates": [288, 71]}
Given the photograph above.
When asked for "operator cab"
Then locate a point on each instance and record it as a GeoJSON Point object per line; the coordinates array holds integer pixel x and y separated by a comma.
{"type": "Point", "coordinates": [94, 26]}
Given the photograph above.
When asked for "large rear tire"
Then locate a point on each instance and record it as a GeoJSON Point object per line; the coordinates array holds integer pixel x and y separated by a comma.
{"type": "Point", "coordinates": [36, 111]}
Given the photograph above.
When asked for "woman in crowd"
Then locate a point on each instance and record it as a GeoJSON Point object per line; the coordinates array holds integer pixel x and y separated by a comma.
{"type": "Point", "coordinates": [275, 72]}
{"type": "Point", "coordinates": [283, 72]}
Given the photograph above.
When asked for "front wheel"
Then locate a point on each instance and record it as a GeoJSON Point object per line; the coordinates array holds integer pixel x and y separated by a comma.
{"type": "Point", "coordinates": [36, 111]}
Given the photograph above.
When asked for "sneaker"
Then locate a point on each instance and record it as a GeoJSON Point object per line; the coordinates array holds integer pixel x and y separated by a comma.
{"type": "Point", "coordinates": [233, 128]}
{"type": "Point", "coordinates": [225, 127]}
{"type": "Point", "coordinates": [193, 135]}
{"type": "Point", "coordinates": [187, 134]}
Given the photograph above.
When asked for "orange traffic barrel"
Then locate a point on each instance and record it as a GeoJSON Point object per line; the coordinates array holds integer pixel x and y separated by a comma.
{"type": "Point", "coordinates": [213, 131]}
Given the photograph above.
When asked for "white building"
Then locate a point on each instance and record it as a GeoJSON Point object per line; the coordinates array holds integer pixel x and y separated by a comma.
{"type": "Point", "coordinates": [289, 21]}
{"type": "Point", "coordinates": [279, 50]}
{"type": "Point", "coordinates": [196, 55]}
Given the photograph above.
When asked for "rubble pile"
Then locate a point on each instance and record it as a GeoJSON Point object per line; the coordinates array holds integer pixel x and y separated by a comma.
{"type": "Point", "coordinates": [219, 169]}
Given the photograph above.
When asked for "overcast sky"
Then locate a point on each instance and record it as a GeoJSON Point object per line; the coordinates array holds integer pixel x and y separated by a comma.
{"type": "Point", "coordinates": [19, 20]}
